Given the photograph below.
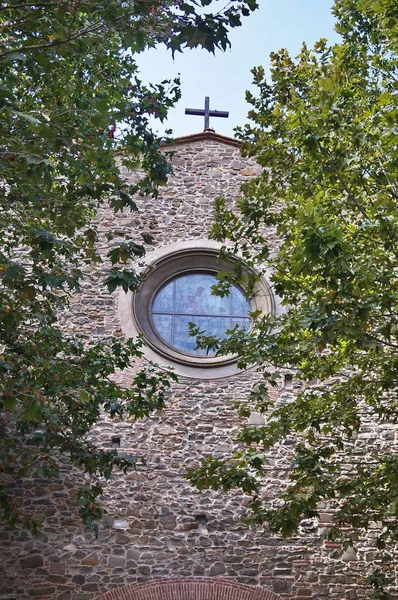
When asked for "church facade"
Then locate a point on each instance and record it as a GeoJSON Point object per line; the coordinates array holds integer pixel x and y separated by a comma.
{"type": "Point", "coordinates": [161, 538]}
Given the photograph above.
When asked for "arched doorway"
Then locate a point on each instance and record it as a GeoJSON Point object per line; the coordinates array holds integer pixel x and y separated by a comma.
{"type": "Point", "coordinates": [190, 588]}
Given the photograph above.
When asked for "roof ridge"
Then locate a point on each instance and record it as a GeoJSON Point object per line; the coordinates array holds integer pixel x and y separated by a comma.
{"type": "Point", "coordinates": [207, 134]}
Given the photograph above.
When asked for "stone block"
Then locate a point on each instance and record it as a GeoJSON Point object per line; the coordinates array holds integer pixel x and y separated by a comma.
{"type": "Point", "coordinates": [41, 591]}
{"type": "Point", "coordinates": [116, 561]}
{"type": "Point", "coordinates": [107, 520]}
{"type": "Point", "coordinates": [349, 554]}
{"type": "Point", "coordinates": [120, 524]}
{"type": "Point", "coordinates": [256, 418]}
{"type": "Point", "coordinates": [168, 522]}
{"type": "Point", "coordinates": [31, 562]}
{"type": "Point", "coordinates": [57, 568]}
{"type": "Point", "coordinates": [303, 593]}
{"type": "Point", "coordinates": [133, 554]}
{"type": "Point", "coordinates": [217, 569]}
{"type": "Point", "coordinates": [282, 572]}
{"type": "Point", "coordinates": [121, 538]}
{"type": "Point", "coordinates": [91, 559]}
{"type": "Point", "coordinates": [282, 586]}
{"type": "Point", "coordinates": [54, 558]}
{"type": "Point", "coordinates": [90, 587]}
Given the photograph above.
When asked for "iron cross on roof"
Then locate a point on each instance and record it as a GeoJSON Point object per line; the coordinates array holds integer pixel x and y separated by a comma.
{"type": "Point", "coordinates": [207, 113]}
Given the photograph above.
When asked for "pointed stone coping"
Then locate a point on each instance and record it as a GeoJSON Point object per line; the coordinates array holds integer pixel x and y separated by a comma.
{"type": "Point", "coordinates": [190, 588]}
{"type": "Point", "coordinates": [206, 135]}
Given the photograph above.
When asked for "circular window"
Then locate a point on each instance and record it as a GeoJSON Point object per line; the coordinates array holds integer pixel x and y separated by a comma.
{"type": "Point", "coordinates": [176, 291]}
{"type": "Point", "coordinates": [189, 298]}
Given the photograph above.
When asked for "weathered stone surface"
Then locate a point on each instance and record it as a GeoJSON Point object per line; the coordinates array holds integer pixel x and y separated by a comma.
{"type": "Point", "coordinates": [217, 569]}
{"type": "Point", "coordinates": [349, 554]}
{"type": "Point", "coordinates": [108, 520]}
{"type": "Point", "coordinates": [92, 559]}
{"type": "Point", "coordinates": [281, 586]}
{"type": "Point", "coordinates": [157, 525]}
{"type": "Point", "coordinates": [41, 591]}
{"type": "Point", "coordinates": [90, 587]}
{"type": "Point", "coordinates": [247, 172]}
{"type": "Point", "coordinates": [120, 538]}
{"type": "Point", "coordinates": [57, 568]}
{"type": "Point", "coordinates": [31, 562]}
{"type": "Point", "coordinates": [120, 523]}
{"type": "Point", "coordinates": [116, 561]}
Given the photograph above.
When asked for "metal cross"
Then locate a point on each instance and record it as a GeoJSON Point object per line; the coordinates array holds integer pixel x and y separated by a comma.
{"type": "Point", "coordinates": [207, 113]}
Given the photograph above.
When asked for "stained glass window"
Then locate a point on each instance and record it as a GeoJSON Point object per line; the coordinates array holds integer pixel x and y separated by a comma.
{"type": "Point", "coordinates": [188, 299]}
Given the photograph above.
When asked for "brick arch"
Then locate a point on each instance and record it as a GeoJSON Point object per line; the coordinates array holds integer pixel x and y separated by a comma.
{"type": "Point", "coordinates": [190, 588]}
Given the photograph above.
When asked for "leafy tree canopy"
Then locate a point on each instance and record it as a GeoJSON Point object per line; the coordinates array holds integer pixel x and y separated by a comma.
{"type": "Point", "coordinates": [324, 128]}
{"type": "Point", "coordinates": [68, 76]}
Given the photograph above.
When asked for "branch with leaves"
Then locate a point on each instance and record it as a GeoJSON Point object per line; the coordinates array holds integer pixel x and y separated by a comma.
{"type": "Point", "coordinates": [68, 81]}
{"type": "Point", "coordinates": [324, 128]}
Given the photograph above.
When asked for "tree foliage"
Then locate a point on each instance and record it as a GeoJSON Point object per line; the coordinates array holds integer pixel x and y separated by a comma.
{"type": "Point", "coordinates": [324, 129]}
{"type": "Point", "coordinates": [71, 101]}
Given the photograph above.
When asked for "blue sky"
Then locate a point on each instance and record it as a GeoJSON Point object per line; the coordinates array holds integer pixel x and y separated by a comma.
{"type": "Point", "coordinates": [225, 76]}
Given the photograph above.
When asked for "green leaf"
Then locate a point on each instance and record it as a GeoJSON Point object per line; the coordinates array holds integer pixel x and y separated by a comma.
{"type": "Point", "coordinates": [9, 402]}
{"type": "Point", "coordinates": [32, 412]}
{"type": "Point", "coordinates": [84, 396]}
{"type": "Point", "coordinates": [28, 117]}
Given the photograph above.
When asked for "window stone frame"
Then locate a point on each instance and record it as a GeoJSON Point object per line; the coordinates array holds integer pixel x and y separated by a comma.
{"type": "Point", "coordinates": [162, 265]}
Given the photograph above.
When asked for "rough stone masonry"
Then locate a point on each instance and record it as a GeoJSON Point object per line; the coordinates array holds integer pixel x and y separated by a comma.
{"type": "Point", "coordinates": [160, 537]}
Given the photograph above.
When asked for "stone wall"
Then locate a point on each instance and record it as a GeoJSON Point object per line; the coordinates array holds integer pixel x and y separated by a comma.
{"type": "Point", "coordinates": [157, 526]}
